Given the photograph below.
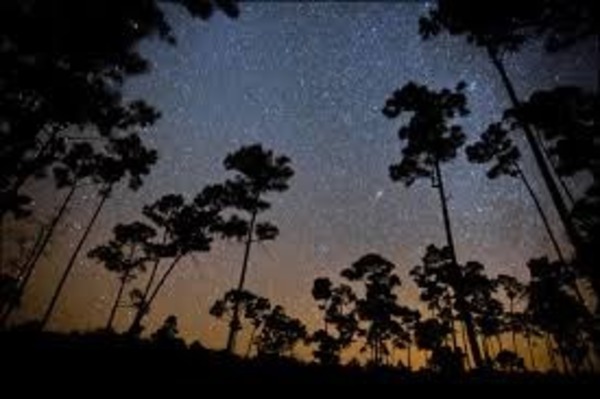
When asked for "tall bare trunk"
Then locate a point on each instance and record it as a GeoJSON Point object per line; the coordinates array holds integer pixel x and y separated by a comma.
{"type": "Point", "coordinates": [530, 348]}
{"type": "Point", "coordinates": [251, 341]}
{"type": "Point", "coordinates": [550, 351]}
{"type": "Point", "coordinates": [537, 152]}
{"type": "Point", "coordinates": [32, 263]}
{"type": "Point", "coordinates": [115, 306]}
{"type": "Point", "coordinates": [464, 341]}
{"type": "Point", "coordinates": [143, 310]}
{"type": "Point", "coordinates": [513, 333]}
{"type": "Point", "coordinates": [499, 342]}
{"type": "Point", "coordinates": [561, 180]}
{"type": "Point", "coordinates": [144, 299]}
{"type": "Point", "coordinates": [540, 210]}
{"type": "Point", "coordinates": [1, 243]}
{"type": "Point", "coordinates": [234, 326]}
{"type": "Point", "coordinates": [104, 196]}
{"type": "Point", "coordinates": [551, 185]}
{"type": "Point", "coordinates": [460, 300]}
{"type": "Point", "coordinates": [453, 327]}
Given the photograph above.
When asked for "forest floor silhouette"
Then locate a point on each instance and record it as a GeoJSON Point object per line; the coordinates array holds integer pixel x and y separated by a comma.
{"type": "Point", "coordinates": [123, 359]}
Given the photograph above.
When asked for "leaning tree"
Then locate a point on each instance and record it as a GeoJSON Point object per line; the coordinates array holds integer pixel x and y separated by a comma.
{"type": "Point", "coordinates": [496, 147]}
{"type": "Point", "coordinates": [125, 255]}
{"type": "Point", "coordinates": [186, 228]}
{"type": "Point", "coordinates": [501, 28]}
{"type": "Point", "coordinates": [123, 158]}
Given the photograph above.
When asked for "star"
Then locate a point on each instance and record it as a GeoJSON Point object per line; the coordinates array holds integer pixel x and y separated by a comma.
{"type": "Point", "coordinates": [309, 80]}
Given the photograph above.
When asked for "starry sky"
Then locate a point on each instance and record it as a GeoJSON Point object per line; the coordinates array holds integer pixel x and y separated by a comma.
{"type": "Point", "coordinates": [309, 81]}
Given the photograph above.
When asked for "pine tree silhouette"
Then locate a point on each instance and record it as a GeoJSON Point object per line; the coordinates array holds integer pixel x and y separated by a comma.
{"type": "Point", "coordinates": [125, 158]}
{"type": "Point", "coordinates": [431, 141]}
{"type": "Point", "coordinates": [125, 255]}
{"type": "Point", "coordinates": [258, 173]}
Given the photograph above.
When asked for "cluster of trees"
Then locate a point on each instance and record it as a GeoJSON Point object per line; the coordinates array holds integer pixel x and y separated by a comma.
{"type": "Point", "coordinates": [62, 111]}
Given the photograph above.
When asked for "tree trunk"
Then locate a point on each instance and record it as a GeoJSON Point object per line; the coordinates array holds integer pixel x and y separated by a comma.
{"type": "Point", "coordinates": [73, 258]}
{"type": "Point", "coordinates": [537, 153]}
{"type": "Point", "coordinates": [115, 306]}
{"type": "Point", "coordinates": [251, 342]}
{"type": "Point", "coordinates": [408, 357]}
{"type": "Point", "coordinates": [464, 340]}
{"type": "Point", "coordinates": [8, 307]}
{"type": "Point", "coordinates": [563, 358]}
{"type": "Point", "coordinates": [2, 243]}
{"type": "Point", "coordinates": [39, 238]}
{"type": "Point", "coordinates": [142, 307]}
{"type": "Point", "coordinates": [530, 347]}
{"type": "Point", "coordinates": [540, 210]}
{"type": "Point", "coordinates": [234, 326]}
{"type": "Point", "coordinates": [499, 342]}
{"type": "Point", "coordinates": [560, 178]}
{"type": "Point", "coordinates": [486, 350]}
{"type": "Point", "coordinates": [453, 327]}
{"type": "Point", "coordinates": [550, 351]}
{"type": "Point", "coordinates": [460, 300]}
{"type": "Point", "coordinates": [134, 329]}
{"type": "Point", "coordinates": [513, 333]}
{"type": "Point", "coordinates": [31, 264]}
{"type": "Point", "coordinates": [555, 194]}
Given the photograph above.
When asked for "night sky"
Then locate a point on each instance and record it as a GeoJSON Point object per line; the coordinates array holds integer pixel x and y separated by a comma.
{"type": "Point", "coordinates": [309, 81]}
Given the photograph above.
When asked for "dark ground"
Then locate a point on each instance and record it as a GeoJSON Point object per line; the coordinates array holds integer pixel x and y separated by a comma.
{"type": "Point", "coordinates": [28, 355]}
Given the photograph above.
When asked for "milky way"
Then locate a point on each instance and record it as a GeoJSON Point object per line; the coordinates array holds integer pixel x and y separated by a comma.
{"type": "Point", "coordinates": [309, 81]}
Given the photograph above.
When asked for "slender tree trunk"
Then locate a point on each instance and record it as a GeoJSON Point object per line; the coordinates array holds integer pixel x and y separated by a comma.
{"type": "Point", "coordinates": [560, 178]}
{"type": "Point", "coordinates": [537, 153]}
{"type": "Point", "coordinates": [464, 340]}
{"type": "Point", "coordinates": [115, 306]}
{"type": "Point", "coordinates": [409, 357]}
{"type": "Point", "coordinates": [71, 262]}
{"type": "Point", "coordinates": [234, 326]}
{"type": "Point", "coordinates": [540, 210]}
{"type": "Point", "coordinates": [513, 333]}
{"type": "Point", "coordinates": [589, 361]}
{"type": "Point", "coordinates": [1, 243]}
{"type": "Point", "coordinates": [153, 272]}
{"type": "Point", "coordinates": [142, 307]}
{"type": "Point", "coordinates": [31, 264]}
{"type": "Point", "coordinates": [39, 239]}
{"type": "Point", "coordinates": [530, 347]}
{"type": "Point", "coordinates": [251, 341]}
{"type": "Point", "coordinates": [150, 281]}
{"type": "Point", "coordinates": [143, 311]}
{"type": "Point", "coordinates": [453, 327]}
{"type": "Point", "coordinates": [550, 351]}
{"type": "Point", "coordinates": [460, 300]}
{"type": "Point", "coordinates": [486, 349]}
{"type": "Point", "coordinates": [499, 342]}
{"type": "Point", "coordinates": [7, 308]}
{"type": "Point", "coordinates": [555, 194]}
{"type": "Point", "coordinates": [564, 360]}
